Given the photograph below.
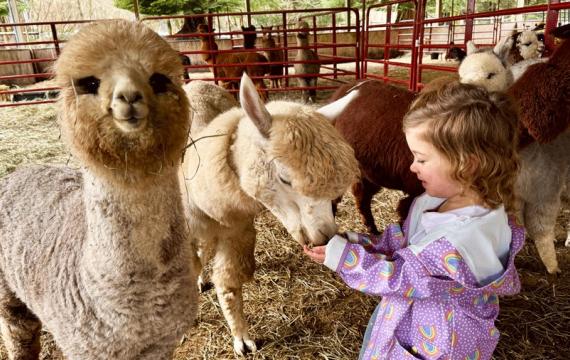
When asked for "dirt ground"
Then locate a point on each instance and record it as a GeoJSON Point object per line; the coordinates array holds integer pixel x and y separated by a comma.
{"type": "Point", "coordinates": [298, 309]}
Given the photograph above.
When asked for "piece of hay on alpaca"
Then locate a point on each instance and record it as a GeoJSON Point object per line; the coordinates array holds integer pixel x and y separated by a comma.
{"type": "Point", "coordinates": [100, 257]}
{"type": "Point", "coordinates": [285, 157]}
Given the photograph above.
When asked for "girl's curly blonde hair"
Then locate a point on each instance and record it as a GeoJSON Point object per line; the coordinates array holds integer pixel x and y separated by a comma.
{"type": "Point", "coordinates": [466, 123]}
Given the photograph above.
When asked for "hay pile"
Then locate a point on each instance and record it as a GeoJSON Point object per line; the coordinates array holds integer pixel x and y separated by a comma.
{"type": "Point", "coordinates": [298, 309]}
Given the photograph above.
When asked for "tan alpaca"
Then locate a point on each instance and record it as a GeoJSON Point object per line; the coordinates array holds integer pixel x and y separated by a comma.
{"type": "Point", "coordinates": [228, 62]}
{"type": "Point", "coordinates": [100, 257]}
{"type": "Point", "coordinates": [285, 157]}
{"type": "Point", "coordinates": [274, 56]}
{"type": "Point", "coordinates": [312, 68]}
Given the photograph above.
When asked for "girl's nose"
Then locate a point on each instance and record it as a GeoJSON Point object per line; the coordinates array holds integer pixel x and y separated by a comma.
{"type": "Point", "coordinates": [413, 167]}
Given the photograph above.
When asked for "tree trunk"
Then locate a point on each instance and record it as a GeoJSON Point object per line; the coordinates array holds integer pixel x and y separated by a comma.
{"type": "Point", "coordinates": [191, 25]}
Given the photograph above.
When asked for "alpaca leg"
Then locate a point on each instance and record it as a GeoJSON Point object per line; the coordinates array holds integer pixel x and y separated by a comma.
{"type": "Point", "coordinates": [566, 207]}
{"type": "Point", "coordinates": [20, 328]}
{"type": "Point", "coordinates": [313, 92]}
{"type": "Point", "coordinates": [234, 265]}
{"type": "Point", "coordinates": [540, 221]}
{"type": "Point", "coordinates": [363, 192]}
{"type": "Point", "coordinates": [304, 93]}
{"type": "Point", "coordinates": [261, 89]}
{"type": "Point", "coordinates": [404, 207]}
{"type": "Point", "coordinates": [204, 254]}
{"type": "Point", "coordinates": [567, 243]}
{"type": "Point", "coordinates": [335, 203]}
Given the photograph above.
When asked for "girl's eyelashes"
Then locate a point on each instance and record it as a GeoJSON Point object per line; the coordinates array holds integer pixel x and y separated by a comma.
{"type": "Point", "coordinates": [416, 160]}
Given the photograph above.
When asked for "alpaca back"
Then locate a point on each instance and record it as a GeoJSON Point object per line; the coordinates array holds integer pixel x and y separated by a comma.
{"type": "Point", "coordinates": [372, 125]}
{"type": "Point", "coordinates": [206, 102]}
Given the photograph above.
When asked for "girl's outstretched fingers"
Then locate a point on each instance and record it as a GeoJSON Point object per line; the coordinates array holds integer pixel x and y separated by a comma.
{"type": "Point", "coordinates": [317, 253]}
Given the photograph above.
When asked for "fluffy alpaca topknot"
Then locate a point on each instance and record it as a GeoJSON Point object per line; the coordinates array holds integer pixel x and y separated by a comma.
{"type": "Point", "coordinates": [124, 113]}
{"type": "Point", "coordinates": [330, 168]}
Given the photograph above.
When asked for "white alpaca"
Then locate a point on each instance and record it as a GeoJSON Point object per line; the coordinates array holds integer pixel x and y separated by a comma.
{"type": "Point", "coordinates": [545, 174]}
{"type": "Point", "coordinates": [529, 50]}
{"type": "Point", "coordinates": [528, 45]}
{"type": "Point", "coordinates": [487, 67]}
{"type": "Point", "coordinates": [100, 257]}
{"type": "Point", "coordinates": [285, 157]}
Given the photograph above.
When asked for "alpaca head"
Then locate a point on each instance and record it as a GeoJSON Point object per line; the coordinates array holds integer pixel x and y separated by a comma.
{"type": "Point", "coordinates": [303, 27]}
{"type": "Point", "coordinates": [249, 36]}
{"type": "Point", "coordinates": [528, 45]}
{"type": "Point", "coordinates": [266, 32]}
{"type": "Point", "coordinates": [122, 108]}
{"type": "Point", "coordinates": [487, 67]}
{"type": "Point", "coordinates": [300, 165]}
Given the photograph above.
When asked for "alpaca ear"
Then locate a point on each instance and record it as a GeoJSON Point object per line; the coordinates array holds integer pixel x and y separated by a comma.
{"type": "Point", "coordinates": [253, 106]}
{"type": "Point", "coordinates": [503, 47]}
{"type": "Point", "coordinates": [334, 109]}
{"type": "Point", "coordinates": [471, 48]}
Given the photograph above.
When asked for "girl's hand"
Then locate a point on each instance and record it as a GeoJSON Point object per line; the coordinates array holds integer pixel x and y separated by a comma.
{"type": "Point", "coordinates": [317, 253]}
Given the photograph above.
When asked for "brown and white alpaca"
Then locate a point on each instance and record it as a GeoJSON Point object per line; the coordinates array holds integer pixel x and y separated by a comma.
{"type": "Point", "coordinates": [231, 65]}
{"type": "Point", "coordinates": [285, 157]}
{"type": "Point", "coordinates": [274, 56]}
{"type": "Point", "coordinates": [100, 257]}
{"type": "Point", "coordinates": [309, 71]}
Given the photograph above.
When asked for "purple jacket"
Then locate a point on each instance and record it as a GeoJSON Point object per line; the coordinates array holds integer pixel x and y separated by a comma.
{"type": "Point", "coordinates": [440, 293]}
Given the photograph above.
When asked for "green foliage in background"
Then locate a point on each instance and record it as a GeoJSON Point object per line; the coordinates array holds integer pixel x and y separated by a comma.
{"type": "Point", "coordinates": [4, 7]}
{"type": "Point", "coordinates": [173, 7]}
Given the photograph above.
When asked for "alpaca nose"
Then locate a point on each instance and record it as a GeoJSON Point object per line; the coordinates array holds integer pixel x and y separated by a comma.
{"type": "Point", "coordinates": [129, 97]}
{"type": "Point", "coordinates": [128, 104]}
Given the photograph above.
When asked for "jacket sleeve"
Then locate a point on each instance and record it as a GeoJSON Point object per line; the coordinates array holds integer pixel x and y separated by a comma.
{"type": "Point", "coordinates": [375, 274]}
{"type": "Point", "coordinates": [391, 240]}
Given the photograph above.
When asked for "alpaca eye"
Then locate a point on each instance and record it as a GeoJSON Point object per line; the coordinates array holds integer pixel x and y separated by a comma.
{"type": "Point", "coordinates": [159, 83]}
{"type": "Point", "coordinates": [491, 75]}
{"type": "Point", "coordinates": [286, 182]}
{"type": "Point", "coordinates": [88, 85]}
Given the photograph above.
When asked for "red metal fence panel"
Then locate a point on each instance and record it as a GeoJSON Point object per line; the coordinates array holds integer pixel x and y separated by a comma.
{"type": "Point", "coordinates": [347, 48]}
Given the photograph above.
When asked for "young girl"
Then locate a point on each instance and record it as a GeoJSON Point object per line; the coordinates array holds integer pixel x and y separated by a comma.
{"type": "Point", "coordinates": [439, 275]}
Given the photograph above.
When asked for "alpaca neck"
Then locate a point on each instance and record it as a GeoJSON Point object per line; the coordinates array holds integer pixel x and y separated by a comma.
{"type": "Point", "coordinates": [302, 42]}
{"type": "Point", "coordinates": [205, 46]}
{"type": "Point", "coordinates": [128, 225]}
